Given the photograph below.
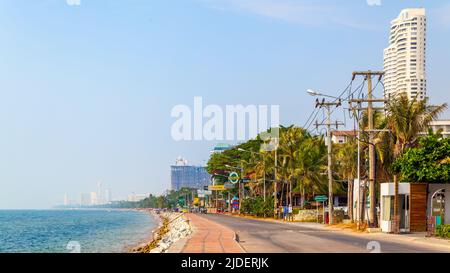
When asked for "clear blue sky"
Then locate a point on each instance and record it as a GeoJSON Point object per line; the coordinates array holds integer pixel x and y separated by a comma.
{"type": "Point", "coordinates": [86, 91]}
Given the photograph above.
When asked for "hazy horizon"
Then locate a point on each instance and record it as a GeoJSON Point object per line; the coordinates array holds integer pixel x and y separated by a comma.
{"type": "Point", "coordinates": [87, 90]}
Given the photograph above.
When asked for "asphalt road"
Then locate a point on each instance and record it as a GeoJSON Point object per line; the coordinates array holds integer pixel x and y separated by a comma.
{"type": "Point", "coordinates": [271, 237]}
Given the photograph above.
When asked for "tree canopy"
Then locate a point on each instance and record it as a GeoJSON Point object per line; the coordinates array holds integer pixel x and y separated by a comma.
{"type": "Point", "coordinates": [429, 162]}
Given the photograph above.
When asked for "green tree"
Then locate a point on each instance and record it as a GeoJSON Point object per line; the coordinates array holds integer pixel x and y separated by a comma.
{"type": "Point", "coordinates": [429, 162]}
{"type": "Point", "coordinates": [347, 158]}
{"type": "Point", "coordinates": [406, 119]}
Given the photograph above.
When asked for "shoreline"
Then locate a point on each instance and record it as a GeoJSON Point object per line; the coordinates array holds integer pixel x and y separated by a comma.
{"type": "Point", "coordinates": [172, 227]}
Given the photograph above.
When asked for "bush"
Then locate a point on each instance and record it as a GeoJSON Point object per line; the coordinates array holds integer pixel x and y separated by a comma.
{"type": "Point", "coordinates": [339, 216]}
{"type": "Point", "coordinates": [443, 231]}
{"type": "Point", "coordinates": [257, 207]}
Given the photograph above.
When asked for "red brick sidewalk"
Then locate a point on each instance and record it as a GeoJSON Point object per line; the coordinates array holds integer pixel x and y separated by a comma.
{"type": "Point", "coordinates": [210, 237]}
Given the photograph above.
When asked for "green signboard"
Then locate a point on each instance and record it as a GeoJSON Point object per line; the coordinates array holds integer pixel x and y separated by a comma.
{"type": "Point", "coordinates": [229, 186]}
{"type": "Point", "coordinates": [321, 198]}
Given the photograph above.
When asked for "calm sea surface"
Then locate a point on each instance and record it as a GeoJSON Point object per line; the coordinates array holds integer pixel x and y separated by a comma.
{"type": "Point", "coordinates": [66, 231]}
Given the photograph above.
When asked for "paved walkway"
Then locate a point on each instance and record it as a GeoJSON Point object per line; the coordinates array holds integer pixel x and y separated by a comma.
{"type": "Point", "coordinates": [210, 237]}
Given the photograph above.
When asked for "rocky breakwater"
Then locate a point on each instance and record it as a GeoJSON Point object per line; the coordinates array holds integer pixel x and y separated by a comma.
{"type": "Point", "coordinates": [173, 227]}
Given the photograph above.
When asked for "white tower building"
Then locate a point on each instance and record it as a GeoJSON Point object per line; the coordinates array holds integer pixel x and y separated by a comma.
{"type": "Point", "coordinates": [404, 59]}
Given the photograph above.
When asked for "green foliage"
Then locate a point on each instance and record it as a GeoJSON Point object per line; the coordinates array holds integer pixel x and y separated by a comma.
{"type": "Point", "coordinates": [427, 163]}
{"type": "Point", "coordinates": [257, 207]}
{"type": "Point", "coordinates": [443, 231]}
{"type": "Point", "coordinates": [167, 201]}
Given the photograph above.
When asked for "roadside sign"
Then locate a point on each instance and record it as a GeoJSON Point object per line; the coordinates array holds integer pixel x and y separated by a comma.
{"type": "Point", "coordinates": [235, 204]}
{"type": "Point", "coordinates": [233, 177]}
{"type": "Point", "coordinates": [229, 186]}
{"type": "Point", "coordinates": [201, 195]}
{"type": "Point", "coordinates": [204, 192]}
{"type": "Point", "coordinates": [216, 188]}
{"type": "Point", "coordinates": [321, 198]}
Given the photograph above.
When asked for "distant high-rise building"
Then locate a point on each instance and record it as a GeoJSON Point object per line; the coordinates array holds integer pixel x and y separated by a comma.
{"type": "Point", "coordinates": [99, 193]}
{"type": "Point", "coordinates": [66, 200]}
{"type": "Point", "coordinates": [107, 198]}
{"type": "Point", "coordinates": [94, 199]}
{"type": "Point", "coordinates": [85, 199]}
{"type": "Point", "coordinates": [137, 197]}
{"type": "Point", "coordinates": [404, 59]}
{"type": "Point", "coordinates": [184, 176]}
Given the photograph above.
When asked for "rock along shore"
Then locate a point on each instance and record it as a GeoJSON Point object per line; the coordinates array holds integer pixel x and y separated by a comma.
{"type": "Point", "coordinates": [173, 226]}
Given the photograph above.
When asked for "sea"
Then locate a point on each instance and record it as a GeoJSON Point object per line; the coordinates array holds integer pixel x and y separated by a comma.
{"type": "Point", "coordinates": [73, 231]}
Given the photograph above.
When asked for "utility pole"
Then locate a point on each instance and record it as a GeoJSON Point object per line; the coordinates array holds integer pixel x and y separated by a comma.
{"type": "Point", "coordinates": [275, 198]}
{"type": "Point", "coordinates": [372, 161]}
{"type": "Point", "coordinates": [327, 106]}
{"type": "Point", "coordinates": [243, 186]}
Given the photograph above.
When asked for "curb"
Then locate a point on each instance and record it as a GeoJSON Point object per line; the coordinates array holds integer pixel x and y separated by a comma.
{"type": "Point", "coordinates": [236, 238]}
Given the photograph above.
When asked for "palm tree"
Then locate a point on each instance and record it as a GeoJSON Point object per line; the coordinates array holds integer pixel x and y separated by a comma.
{"type": "Point", "coordinates": [347, 157]}
{"type": "Point", "coordinates": [406, 119]}
{"type": "Point", "coordinates": [310, 161]}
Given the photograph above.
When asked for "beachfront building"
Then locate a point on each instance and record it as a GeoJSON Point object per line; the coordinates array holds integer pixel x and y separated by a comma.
{"type": "Point", "coordinates": [341, 137]}
{"type": "Point", "coordinates": [405, 58]}
{"type": "Point", "coordinates": [442, 126]}
{"type": "Point", "coordinates": [185, 176]}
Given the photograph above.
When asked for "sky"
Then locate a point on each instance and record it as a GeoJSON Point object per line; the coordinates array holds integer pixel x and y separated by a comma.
{"type": "Point", "coordinates": [87, 86]}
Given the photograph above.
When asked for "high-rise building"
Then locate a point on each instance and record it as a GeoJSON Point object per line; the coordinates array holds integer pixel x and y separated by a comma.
{"type": "Point", "coordinates": [99, 193]}
{"type": "Point", "coordinates": [137, 197]}
{"type": "Point", "coordinates": [94, 199]}
{"type": "Point", "coordinates": [185, 176]}
{"type": "Point", "coordinates": [107, 198]}
{"type": "Point", "coordinates": [85, 199]}
{"type": "Point", "coordinates": [66, 199]}
{"type": "Point", "coordinates": [405, 58]}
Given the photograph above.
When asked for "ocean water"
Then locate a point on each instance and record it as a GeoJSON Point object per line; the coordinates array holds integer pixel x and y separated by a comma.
{"type": "Point", "coordinates": [65, 231]}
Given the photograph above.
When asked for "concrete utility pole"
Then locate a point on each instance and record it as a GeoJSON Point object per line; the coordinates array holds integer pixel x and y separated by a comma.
{"type": "Point", "coordinates": [328, 106]}
{"type": "Point", "coordinates": [372, 160]}
{"type": "Point", "coordinates": [275, 198]}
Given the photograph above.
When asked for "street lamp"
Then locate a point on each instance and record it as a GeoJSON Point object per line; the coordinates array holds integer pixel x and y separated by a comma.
{"type": "Point", "coordinates": [329, 148]}
{"type": "Point", "coordinates": [318, 94]}
{"type": "Point", "coordinates": [315, 93]}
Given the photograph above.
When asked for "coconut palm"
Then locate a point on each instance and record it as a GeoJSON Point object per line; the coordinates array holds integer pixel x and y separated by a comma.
{"type": "Point", "coordinates": [406, 119]}
{"type": "Point", "coordinates": [311, 159]}
{"type": "Point", "coordinates": [347, 157]}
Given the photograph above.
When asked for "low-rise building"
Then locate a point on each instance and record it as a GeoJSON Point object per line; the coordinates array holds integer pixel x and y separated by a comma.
{"type": "Point", "coordinates": [341, 137]}
{"type": "Point", "coordinates": [443, 125]}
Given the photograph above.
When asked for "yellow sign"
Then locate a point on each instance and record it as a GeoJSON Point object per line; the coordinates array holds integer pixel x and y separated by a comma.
{"type": "Point", "coordinates": [216, 188]}
{"type": "Point", "coordinates": [196, 201]}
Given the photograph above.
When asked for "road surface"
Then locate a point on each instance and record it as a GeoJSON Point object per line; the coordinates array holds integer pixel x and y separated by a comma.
{"type": "Point", "coordinates": [257, 236]}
